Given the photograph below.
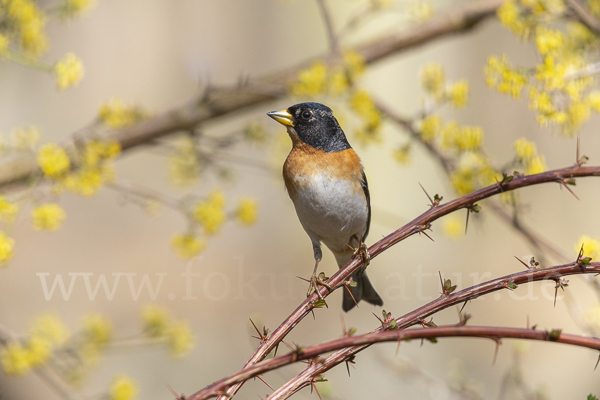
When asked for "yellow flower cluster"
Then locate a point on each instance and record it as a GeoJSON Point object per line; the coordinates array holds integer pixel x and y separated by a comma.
{"type": "Point", "coordinates": [433, 81]}
{"type": "Point", "coordinates": [96, 332]}
{"type": "Point", "coordinates": [94, 168]}
{"type": "Point", "coordinates": [320, 79]}
{"type": "Point", "coordinates": [158, 324]}
{"type": "Point", "coordinates": [402, 154]}
{"type": "Point", "coordinates": [68, 71]}
{"type": "Point", "coordinates": [53, 160]}
{"type": "Point", "coordinates": [48, 217]}
{"type": "Point", "coordinates": [591, 247]}
{"type": "Point", "coordinates": [8, 210]}
{"type": "Point", "coordinates": [71, 8]}
{"type": "Point", "coordinates": [246, 211]}
{"type": "Point", "coordinates": [501, 76]}
{"type": "Point", "coordinates": [461, 138]}
{"type": "Point", "coordinates": [430, 126]}
{"type": "Point", "coordinates": [522, 16]}
{"type": "Point", "coordinates": [362, 104]}
{"type": "Point", "coordinates": [4, 43]}
{"type": "Point", "coordinates": [47, 332]}
{"type": "Point", "coordinates": [527, 155]}
{"type": "Point", "coordinates": [184, 164]}
{"type": "Point", "coordinates": [123, 388]}
{"type": "Point", "coordinates": [6, 247]}
{"type": "Point", "coordinates": [187, 245]}
{"type": "Point", "coordinates": [25, 22]}
{"type": "Point", "coordinates": [210, 213]}
{"type": "Point", "coordinates": [453, 227]}
{"type": "Point", "coordinates": [116, 114]}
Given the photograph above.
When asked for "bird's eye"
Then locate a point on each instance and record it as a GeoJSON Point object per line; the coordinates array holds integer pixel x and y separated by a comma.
{"type": "Point", "coordinates": [306, 114]}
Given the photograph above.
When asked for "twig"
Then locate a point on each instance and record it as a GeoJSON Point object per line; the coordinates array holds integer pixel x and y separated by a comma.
{"type": "Point", "coordinates": [584, 16]}
{"type": "Point", "coordinates": [334, 46]}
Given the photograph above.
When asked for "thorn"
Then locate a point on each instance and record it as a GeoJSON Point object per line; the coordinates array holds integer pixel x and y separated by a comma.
{"type": "Point", "coordinates": [312, 311]}
{"type": "Point", "coordinates": [467, 223]}
{"type": "Point", "coordinates": [177, 396]}
{"type": "Point", "coordinates": [556, 293]}
{"type": "Point", "coordinates": [261, 337]}
{"type": "Point", "coordinates": [353, 299]}
{"type": "Point", "coordinates": [343, 324]}
{"type": "Point", "coordinates": [569, 189]}
{"type": "Point", "coordinates": [422, 230]}
{"type": "Point", "coordinates": [398, 347]}
{"type": "Point", "coordinates": [498, 343]}
{"type": "Point", "coordinates": [313, 384]}
{"type": "Point", "coordinates": [265, 382]}
{"type": "Point", "coordinates": [577, 161]}
{"type": "Point", "coordinates": [427, 194]}
{"type": "Point", "coordinates": [464, 304]}
{"type": "Point", "coordinates": [304, 279]}
{"type": "Point", "coordinates": [276, 348]}
{"type": "Point", "coordinates": [522, 262]}
{"type": "Point", "coordinates": [597, 362]}
{"type": "Point", "coordinates": [441, 281]}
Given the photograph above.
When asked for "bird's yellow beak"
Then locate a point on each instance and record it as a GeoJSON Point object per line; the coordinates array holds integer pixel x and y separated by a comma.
{"type": "Point", "coordinates": [282, 116]}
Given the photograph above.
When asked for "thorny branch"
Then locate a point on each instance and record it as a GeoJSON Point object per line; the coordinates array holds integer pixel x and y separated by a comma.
{"type": "Point", "coordinates": [348, 346]}
{"type": "Point", "coordinates": [418, 225]}
{"type": "Point", "coordinates": [217, 102]}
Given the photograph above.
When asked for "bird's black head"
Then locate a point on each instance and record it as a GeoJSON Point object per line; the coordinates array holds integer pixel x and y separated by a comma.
{"type": "Point", "coordinates": [313, 124]}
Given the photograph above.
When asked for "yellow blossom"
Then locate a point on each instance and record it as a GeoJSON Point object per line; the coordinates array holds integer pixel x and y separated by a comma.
{"type": "Point", "coordinates": [28, 21]}
{"type": "Point", "coordinates": [462, 182]}
{"type": "Point", "coordinates": [433, 79]}
{"type": "Point", "coordinates": [402, 154]}
{"type": "Point", "coordinates": [469, 138]}
{"type": "Point", "coordinates": [509, 15]}
{"type": "Point", "coordinates": [8, 210]}
{"type": "Point", "coordinates": [453, 227]}
{"type": "Point", "coordinates": [471, 161]}
{"type": "Point", "coordinates": [187, 245]}
{"type": "Point", "coordinates": [210, 213]}
{"type": "Point", "coordinates": [311, 81]}
{"type": "Point", "coordinates": [548, 40]}
{"type": "Point", "coordinates": [15, 359]}
{"type": "Point", "coordinates": [591, 247]}
{"type": "Point", "coordinates": [536, 165]}
{"type": "Point", "coordinates": [246, 211]}
{"type": "Point", "coordinates": [74, 7]}
{"type": "Point", "coordinates": [39, 350]}
{"type": "Point", "coordinates": [53, 160]}
{"type": "Point", "coordinates": [50, 327]}
{"type": "Point", "coordinates": [551, 73]}
{"type": "Point", "coordinates": [69, 71]}
{"type": "Point", "coordinates": [184, 164]}
{"type": "Point", "coordinates": [6, 247]}
{"type": "Point", "coordinates": [180, 338]}
{"type": "Point", "coordinates": [524, 149]}
{"type": "Point", "coordinates": [116, 114]}
{"type": "Point", "coordinates": [503, 77]}
{"type": "Point", "coordinates": [458, 94]}
{"type": "Point", "coordinates": [578, 112]}
{"type": "Point", "coordinates": [354, 63]}
{"type": "Point", "coordinates": [338, 82]}
{"type": "Point", "coordinates": [123, 388]}
{"type": "Point", "coordinates": [593, 100]}
{"type": "Point", "coordinates": [156, 320]}
{"type": "Point", "coordinates": [97, 329]}
{"type": "Point", "coordinates": [25, 138]}
{"type": "Point", "coordinates": [48, 217]}
{"type": "Point", "coordinates": [430, 126]}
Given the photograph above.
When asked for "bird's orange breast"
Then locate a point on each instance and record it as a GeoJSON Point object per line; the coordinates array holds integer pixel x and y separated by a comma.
{"type": "Point", "coordinates": [304, 162]}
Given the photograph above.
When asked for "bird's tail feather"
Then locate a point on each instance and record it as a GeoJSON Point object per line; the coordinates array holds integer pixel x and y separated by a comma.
{"type": "Point", "coordinates": [363, 290]}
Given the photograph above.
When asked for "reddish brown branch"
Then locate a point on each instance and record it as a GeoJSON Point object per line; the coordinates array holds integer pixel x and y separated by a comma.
{"type": "Point", "coordinates": [349, 346]}
{"type": "Point", "coordinates": [417, 225]}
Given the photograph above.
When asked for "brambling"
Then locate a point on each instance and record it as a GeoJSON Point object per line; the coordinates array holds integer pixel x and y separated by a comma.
{"type": "Point", "coordinates": [327, 184]}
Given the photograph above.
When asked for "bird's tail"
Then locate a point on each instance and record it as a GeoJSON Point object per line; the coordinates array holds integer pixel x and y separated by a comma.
{"type": "Point", "coordinates": [363, 290]}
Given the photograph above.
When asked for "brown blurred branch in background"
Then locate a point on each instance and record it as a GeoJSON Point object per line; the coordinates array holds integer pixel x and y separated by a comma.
{"type": "Point", "coordinates": [218, 102]}
{"type": "Point", "coordinates": [352, 345]}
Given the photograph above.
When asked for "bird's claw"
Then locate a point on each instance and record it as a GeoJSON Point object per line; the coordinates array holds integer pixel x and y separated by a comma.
{"type": "Point", "coordinates": [314, 283]}
{"type": "Point", "coordinates": [363, 250]}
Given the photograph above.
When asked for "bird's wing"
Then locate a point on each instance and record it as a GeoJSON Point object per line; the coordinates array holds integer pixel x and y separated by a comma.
{"type": "Point", "coordinates": [365, 188]}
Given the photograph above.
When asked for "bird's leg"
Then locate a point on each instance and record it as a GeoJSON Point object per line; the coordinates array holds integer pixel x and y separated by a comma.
{"type": "Point", "coordinates": [314, 280]}
{"type": "Point", "coordinates": [364, 252]}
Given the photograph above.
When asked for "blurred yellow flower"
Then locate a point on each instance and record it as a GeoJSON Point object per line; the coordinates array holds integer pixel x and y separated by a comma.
{"type": "Point", "coordinates": [53, 160]}
{"type": "Point", "coordinates": [246, 211]}
{"type": "Point", "coordinates": [402, 154]}
{"type": "Point", "coordinates": [453, 227]}
{"type": "Point", "coordinates": [50, 327]}
{"type": "Point", "coordinates": [8, 210]}
{"type": "Point", "coordinates": [15, 359]}
{"type": "Point", "coordinates": [39, 350]}
{"type": "Point", "coordinates": [48, 217]}
{"type": "Point", "coordinates": [210, 213]}
{"type": "Point", "coordinates": [536, 165]}
{"type": "Point", "coordinates": [187, 245]}
{"type": "Point", "coordinates": [68, 71]}
{"type": "Point", "coordinates": [156, 320]}
{"type": "Point", "coordinates": [433, 79]}
{"type": "Point", "coordinates": [458, 94]}
{"type": "Point", "coordinates": [6, 247]}
{"type": "Point", "coordinates": [524, 149]}
{"type": "Point", "coordinates": [180, 338]}
{"type": "Point", "coordinates": [97, 329]}
{"type": "Point", "coordinates": [311, 81]}
{"type": "Point", "coordinates": [25, 138]}
{"type": "Point", "coordinates": [116, 114]}
{"type": "Point", "coordinates": [73, 7]}
{"type": "Point", "coordinates": [548, 40]}
{"type": "Point", "coordinates": [430, 126]}
{"type": "Point", "coordinates": [4, 42]}
{"type": "Point", "coordinates": [421, 11]}
{"type": "Point", "coordinates": [591, 247]}
{"type": "Point", "coordinates": [123, 388]}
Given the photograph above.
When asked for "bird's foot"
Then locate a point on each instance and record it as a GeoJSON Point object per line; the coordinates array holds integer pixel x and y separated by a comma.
{"type": "Point", "coordinates": [314, 283]}
{"type": "Point", "coordinates": [363, 250]}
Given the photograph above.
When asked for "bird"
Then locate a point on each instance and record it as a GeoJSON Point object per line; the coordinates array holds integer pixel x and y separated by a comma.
{"type": "Point", "coordinates": [325, 180]}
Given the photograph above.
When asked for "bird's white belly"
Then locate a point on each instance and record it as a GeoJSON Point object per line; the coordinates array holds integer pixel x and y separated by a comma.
{"type": "Point", "coordinates": [332, 209]}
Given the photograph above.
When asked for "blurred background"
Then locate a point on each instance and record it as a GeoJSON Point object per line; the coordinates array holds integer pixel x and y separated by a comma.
{"type": "Point", "coordinates": [159, 55]}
